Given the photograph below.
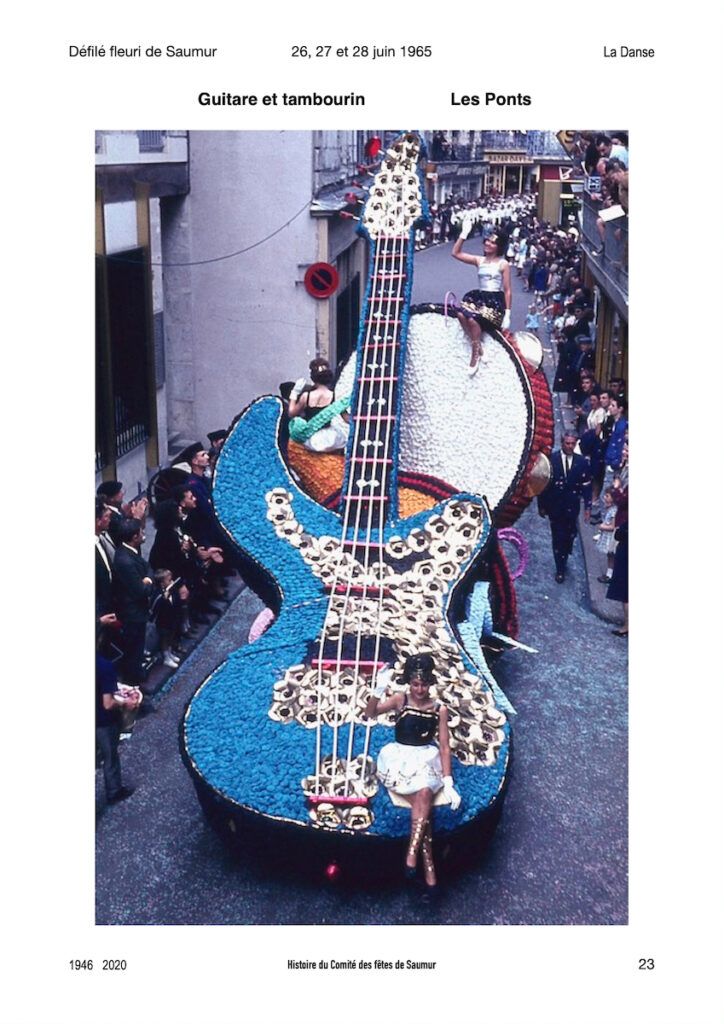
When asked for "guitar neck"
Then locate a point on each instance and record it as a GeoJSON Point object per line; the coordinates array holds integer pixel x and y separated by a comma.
{"type": "Point", "coordinates": [370, 491]}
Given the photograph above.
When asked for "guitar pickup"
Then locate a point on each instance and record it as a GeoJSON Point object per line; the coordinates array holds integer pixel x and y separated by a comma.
{"type": "Point", "coordinates": [366, 667]}
{"type": "Point", "coordinates": [358, 590]}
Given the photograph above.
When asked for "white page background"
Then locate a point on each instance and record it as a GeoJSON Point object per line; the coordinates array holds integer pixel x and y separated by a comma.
{"type": "Point", "coordinates": [513, 975]}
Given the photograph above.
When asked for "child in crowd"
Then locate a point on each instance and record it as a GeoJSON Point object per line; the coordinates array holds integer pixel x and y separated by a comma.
{"type": "Point", "coordinates": [604, 538]}
{"type": "Point", "coordinates": [532, 320]}
{"type": "Point", "coordinates": [167, 613]}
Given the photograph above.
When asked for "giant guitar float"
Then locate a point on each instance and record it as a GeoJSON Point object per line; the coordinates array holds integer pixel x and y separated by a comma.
{"type": "Point", "coordinates": [281, 755]}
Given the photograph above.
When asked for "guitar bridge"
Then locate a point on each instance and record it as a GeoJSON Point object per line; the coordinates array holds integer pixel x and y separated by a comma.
{"type": "Point", "coordinates": [338, 796]}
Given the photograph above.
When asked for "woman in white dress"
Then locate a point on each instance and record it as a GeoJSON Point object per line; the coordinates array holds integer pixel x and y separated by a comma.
{"type": "Point", "coordinates": [417, 764]}
{"type": "Point", "coordinates": [490, 302]}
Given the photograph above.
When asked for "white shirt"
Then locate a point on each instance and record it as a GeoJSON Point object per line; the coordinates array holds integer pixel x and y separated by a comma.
{"type": "Point", "coordinates": [103, 553]}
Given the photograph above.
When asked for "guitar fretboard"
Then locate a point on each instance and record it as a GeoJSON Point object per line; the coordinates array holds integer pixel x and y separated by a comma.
{"type": "Point", "coordinates": [372, 449]}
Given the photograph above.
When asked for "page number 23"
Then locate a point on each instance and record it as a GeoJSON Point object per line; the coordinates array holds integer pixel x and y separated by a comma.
{"type": "Point", "coordinates": [646, 965]}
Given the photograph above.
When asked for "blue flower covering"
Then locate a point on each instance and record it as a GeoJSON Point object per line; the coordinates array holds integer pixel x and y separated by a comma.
{"type": "Point", "coordinates": [236, 749]}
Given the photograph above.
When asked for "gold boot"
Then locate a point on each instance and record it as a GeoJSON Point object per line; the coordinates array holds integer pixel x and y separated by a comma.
{"type": "Point", "coordinates": [417, 833]}
{"type": "Point", "coordinates": [428, 863]}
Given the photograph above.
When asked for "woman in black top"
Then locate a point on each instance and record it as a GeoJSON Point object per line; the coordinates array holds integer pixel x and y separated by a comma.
{"type": "Point", "coordinates": [306, 400]}
{"type": "Point", "coordinates": [417, 764]}
{"type": "Point", "coordinates": [171, 549]}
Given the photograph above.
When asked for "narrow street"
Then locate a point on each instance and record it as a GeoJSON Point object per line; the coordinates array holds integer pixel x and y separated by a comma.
{"type": "Point", "coordinates": [559, 855]}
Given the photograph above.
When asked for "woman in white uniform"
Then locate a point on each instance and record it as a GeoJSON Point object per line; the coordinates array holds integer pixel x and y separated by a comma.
{"type": "Point", "coordinates": [490, 302]}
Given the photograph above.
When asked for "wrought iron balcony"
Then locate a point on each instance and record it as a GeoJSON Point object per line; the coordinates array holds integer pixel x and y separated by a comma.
{"type": "Point", "coordinates": [606, 246]}
{"type": "Point", "coordinates": [505, 141]}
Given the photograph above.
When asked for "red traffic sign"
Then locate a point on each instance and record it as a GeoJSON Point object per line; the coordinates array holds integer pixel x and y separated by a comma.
{"type": "Point", "coordinates": [321, 280]}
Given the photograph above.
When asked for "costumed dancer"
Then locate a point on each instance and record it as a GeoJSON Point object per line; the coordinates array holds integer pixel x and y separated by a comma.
{"type": "Point", "coordinates": [417, 765]}
{"type": "Point", "coordinates": [490, 303]}
{"type": "Point", "coordinates": [316, 419]}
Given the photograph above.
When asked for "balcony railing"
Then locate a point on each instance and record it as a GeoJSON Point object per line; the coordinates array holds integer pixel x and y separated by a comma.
{"type": "Point", "coordinates": [458, 152]}
{"type": "Point", "coordinates": [141, 147]}
{"type": "Point", "coordinates": [609, 250]}
{"type": "Point", "coordinates": [505, 140]}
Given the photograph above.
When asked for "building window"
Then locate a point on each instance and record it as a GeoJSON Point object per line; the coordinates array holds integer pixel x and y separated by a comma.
{"type": "Point", "coordinates": [151, 142]}
{"type": "Point", "coordinates": [123, 349]}
{"type": "Point", "coordinates": [348, 306]}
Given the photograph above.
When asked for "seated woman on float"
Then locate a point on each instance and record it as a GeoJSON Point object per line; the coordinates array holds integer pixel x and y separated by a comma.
{"type": "Point", "coordinates": [417, 766]}
{"type": "Point", "coordinates": [316, 419]}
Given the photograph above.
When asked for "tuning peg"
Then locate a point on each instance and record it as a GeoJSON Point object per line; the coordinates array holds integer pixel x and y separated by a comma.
{"type": "Point", "coordinates": [358, 184]}
{"type": "Point", "coordinates": [349, 216]}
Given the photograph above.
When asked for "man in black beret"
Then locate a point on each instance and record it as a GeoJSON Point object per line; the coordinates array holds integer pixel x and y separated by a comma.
{"type": "Point", "coordinates": [111, 492]}
{"type": "Point", "coordinates": [216, 439]}
{"type": "Point", "coordinates": [202, 523]}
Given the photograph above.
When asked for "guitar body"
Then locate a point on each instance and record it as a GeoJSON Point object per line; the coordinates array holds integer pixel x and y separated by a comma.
{"type": "Point", "coordinates": [281, 754]}
{"type": "Point", "coordinates": [247, 765]}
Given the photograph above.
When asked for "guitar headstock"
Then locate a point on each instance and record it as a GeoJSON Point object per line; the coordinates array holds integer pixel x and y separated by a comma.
{"type": "Point", "coordinates": [395, 200]}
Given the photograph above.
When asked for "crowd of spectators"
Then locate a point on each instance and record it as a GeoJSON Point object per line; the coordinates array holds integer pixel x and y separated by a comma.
{"type": "Point", "coordinates": [604, 162]}
{"type": "Point", "coordinates": [547, 260]}
{"type": "Point", "coordinates": [173, 591]}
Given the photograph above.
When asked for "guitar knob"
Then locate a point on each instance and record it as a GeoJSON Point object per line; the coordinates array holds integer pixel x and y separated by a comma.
{"type": "Point", "coordinates": [418, 540]}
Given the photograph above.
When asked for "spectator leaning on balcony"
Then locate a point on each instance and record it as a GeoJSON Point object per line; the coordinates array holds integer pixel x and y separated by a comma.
{"type": "Point", "coordinates": [607, 150]}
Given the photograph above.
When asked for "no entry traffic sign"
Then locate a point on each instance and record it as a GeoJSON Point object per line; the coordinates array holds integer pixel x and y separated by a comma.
{"type": "Point", "coordinates": [321, 280]}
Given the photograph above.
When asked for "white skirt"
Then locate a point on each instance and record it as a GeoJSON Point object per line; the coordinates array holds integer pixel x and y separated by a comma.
{"type": "Point", "coordinates": [330, 438]}
{"type": "Point", "coordinates": [407, 769]}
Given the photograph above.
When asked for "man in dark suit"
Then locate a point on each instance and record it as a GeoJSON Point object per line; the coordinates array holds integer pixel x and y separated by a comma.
{"type": "Point", "coordinates": [560, 502]}
{"type": "Point", "coordinates": [105, 553]}
{"type": "Point", "coordinates": [111, 492]}
{"type": "Point", "coordinates": [132, 589]}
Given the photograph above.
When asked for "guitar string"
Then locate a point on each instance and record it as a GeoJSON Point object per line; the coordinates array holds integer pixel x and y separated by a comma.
{"type": "Point", "coordinates": [392, 313]}
{"type": "Point", "coordinates": [345, 527]}
{"type": "Point", "coordinates": [379, 395]}
{"type": "Point", "coordinates": [388, 367]}
{"type": "Point", "coordinates": [366, 390]}
{"type": "Point", "coordinates": [387, 453]}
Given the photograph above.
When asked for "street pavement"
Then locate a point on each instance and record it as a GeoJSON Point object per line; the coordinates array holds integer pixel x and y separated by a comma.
{"type": "Point", "coordinates": [559, 854]}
